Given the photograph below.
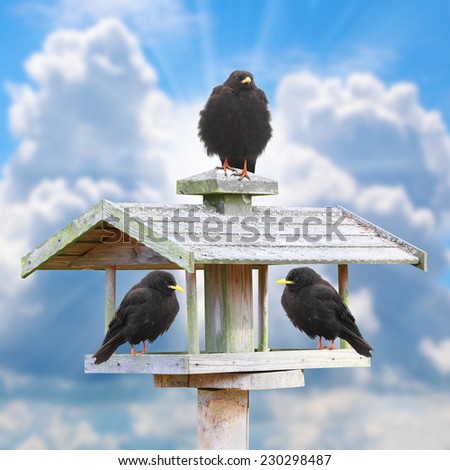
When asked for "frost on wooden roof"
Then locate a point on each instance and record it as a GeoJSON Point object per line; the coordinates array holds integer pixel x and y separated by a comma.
{"type": "Point", "coordinates": [146, 236]}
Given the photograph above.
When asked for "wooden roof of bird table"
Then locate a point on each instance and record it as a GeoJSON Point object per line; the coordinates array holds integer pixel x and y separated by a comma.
{"type": "Point", "coordinates": [189, 236]}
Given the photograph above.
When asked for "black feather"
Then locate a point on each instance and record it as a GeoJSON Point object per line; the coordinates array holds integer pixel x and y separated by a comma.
{"type": "Point", "coordinates": [315, 307]}
{"type": "Point", "coordinates": [146, 312]}
{"type": "Point", "coordinates": [235, 122]}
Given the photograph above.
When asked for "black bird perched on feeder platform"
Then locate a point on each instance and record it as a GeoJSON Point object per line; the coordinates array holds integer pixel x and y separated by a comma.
{"type": "Point", "coordinates": [146, 312]}
{"type": "Point", "coordinates": [235, 123]}
{"type": "Point", "coordinates": [315, 307]}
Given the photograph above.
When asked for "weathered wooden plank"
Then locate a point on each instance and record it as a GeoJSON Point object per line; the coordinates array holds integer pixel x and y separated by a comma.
{"type": "Point", "coordinates": [173, 233]}
{"type": "Point", "coordinates": [183, 363]}
{"type": "Point", "coordinates": [263, 309]}
{"type": "Point", "coordinates": [343, 291]}
{"type": "Point", "coordinates": [192, 313]}
{"type": "Point", "coordinates": [138, 364]}
{"type": "Point", "coordinates": [416, 252]}
{"type": "Point", "coordinates": [211, 182]}
{"type": "Point", "coordinates": [110, 295]}
{"type": "Point", "coordinates": [183, 212]}
{"type": "Point", "coordinates": [107, 254]}
{"type": "Point", "coordinates": [228, 308]}
{"type": "Point", "coordinates": [222, 419]}
{"type": "Point", "coordinates": [250, 255]}
{"type": "Point", "coordinates": [237, 254]}
{"type": "Point", "coordinates": [62, 239]}
{"type": "Point", "coordinates": [108, 215]}
{"type": "Point", "coordinates": [254, 235]}
{"type": "Point", "coordinates": [135, 228]}
{"type": "Point", "coordinates": [79, 248]}
{"type": "Point", "coordinates": [276, 360]}
{"type": "Point", "coordinates": [239, 380]}
{"type": "Point", "coordinates": [64, 263]}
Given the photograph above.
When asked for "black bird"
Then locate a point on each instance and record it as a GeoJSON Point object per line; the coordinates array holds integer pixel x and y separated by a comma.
{"type": "Point", "coordinates": [314, 306]}
{"type": "Point", "coordinates": [146, 312]}
{"type": "Point", "coordinates": [235, 123]}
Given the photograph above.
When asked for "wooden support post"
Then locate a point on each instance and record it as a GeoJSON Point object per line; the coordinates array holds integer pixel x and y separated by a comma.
{"type": "Point", "coordinates": [228, 308]}
{"type": "Point", "coordinates": [223, 419]}
{"type": "Point", "coordinates": [263, 310]}
{"type": "Point", "coordinates": [192, 313]}
{"type": "Point", "coordinates": [110, 296]}
{"type": "Point", "coordinates": [223, 413]}
{"type": "Point", "coordinates": [343, 291]}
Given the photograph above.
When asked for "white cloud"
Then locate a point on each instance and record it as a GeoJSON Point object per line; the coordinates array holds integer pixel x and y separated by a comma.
{"type": "Point", "coordinates": [357, 142]}
{"type": "Point", "coordinates": [91, 113]}
{"type": "Point", "coordinates": [362, 306]}
{"type": "Point", "coordinates": [381, 135]}
{"type": "Point", "coordinates": [28, 425]}
{"type": "Point", "coordinates": [349, 418]}
{"type": "Point", "coordinates": [171, 411]}
{"type": "Point", "coordinates": [388, 200]}
{"type": "Point", "coordinates": [14, 417]}
{"type": "Point", "coordinates": [438, 353]}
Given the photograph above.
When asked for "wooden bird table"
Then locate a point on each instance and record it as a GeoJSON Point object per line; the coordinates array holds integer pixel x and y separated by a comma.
{"type": "Point", "coordinates": [227, 238]}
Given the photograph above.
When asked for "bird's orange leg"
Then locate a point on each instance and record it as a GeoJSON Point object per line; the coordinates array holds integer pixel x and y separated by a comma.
{"type": "Point", "coordinates": [134, 353]}
{"type": "Point", "coordinates": [244, 173]}
{"type": "Point", "coordinates": [226, 166]}
{"type": "Point", "coordinates": [322, 346]}
{"type": "Point", "coordinates": [332, 345]}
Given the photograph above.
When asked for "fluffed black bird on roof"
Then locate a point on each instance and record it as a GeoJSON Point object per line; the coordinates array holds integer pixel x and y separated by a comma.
{"type": "Point", "coordinates": [235, 123]}
{"type": "Point", "coordinates": [146, 312]}
{"type": "Point", "coordinates": [315, 307]}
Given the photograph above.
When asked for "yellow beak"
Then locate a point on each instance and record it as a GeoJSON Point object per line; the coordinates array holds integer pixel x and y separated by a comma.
{"type": "Point", "coordinates": [246, 80]}
{"type": "Point", "coordinates": [284, 281]}
{"type": "Point", "coordinates": [177, 287]}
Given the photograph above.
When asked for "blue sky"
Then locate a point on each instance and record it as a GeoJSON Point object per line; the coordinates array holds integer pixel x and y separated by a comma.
{"type": "Point", "coordinates": [101, 100]}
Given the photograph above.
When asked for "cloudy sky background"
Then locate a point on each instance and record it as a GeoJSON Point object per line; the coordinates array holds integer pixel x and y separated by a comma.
{"type": "Point", "coordinates": [101, 99]}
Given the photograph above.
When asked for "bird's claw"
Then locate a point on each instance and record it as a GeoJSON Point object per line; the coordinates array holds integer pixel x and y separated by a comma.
{"type": "Point", "coordinates": [226, 166]}
{"type": "Point", "coordinates": [242, 175]}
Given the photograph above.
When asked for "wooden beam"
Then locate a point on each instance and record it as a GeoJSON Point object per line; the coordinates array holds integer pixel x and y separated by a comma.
{"type": "Point", "coordinates": [62, 239]}
{"type": "Point", "coordinates": [222, 419]}
{"type": "Point", "coordinates": [343, 291]}
{"type": "Point", "coordinates": [183, 363]}
{"type": "Point", "coordinates": [263, 309]}
{"type": "Point", "coordinates": [130, 253]}
{"type": "Point", "coordinates": [192, 313]}
{"type": "Point", "coordinates": [110, 295]}
{"type": "Point", "coordinates": [123, 218]}
{"type": "Point", "coordinates": [240, 380]}
{"type": "Point", "coordinates": [228, 328]}
{"type": "Point", "coordinates": [228, 308]}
